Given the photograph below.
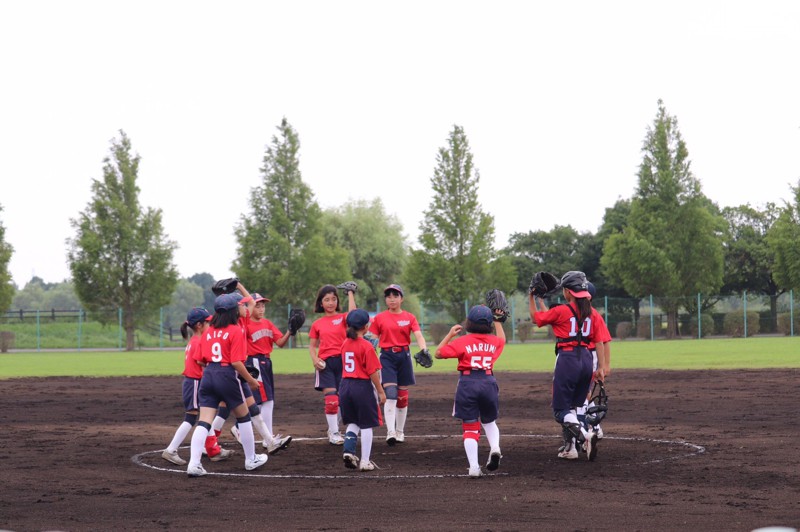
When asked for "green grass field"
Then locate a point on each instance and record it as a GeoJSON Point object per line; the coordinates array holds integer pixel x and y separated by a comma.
{"type": "Point", "coordinates": [766, 352]}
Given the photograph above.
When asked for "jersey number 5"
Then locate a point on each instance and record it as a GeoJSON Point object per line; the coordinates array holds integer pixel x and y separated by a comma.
{"type": "Point", "coordinates": [349, 363]}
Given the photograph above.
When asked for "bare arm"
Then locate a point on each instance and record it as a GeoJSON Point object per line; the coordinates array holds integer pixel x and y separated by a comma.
{"type": "Point", "coordinates": [242, 371]}
{"type": "Point", "coordinates": [454, 330]}
{"type": "Point", "coordinates": [351, 301]}
{"type": "Point", "coordinates": [499, 331]}
{"type": "Point", "coordinates": [420, 340]}
{"type": "Point", "coordinates": [376, 382]}
{"type": "Point", "coordinates": [280, 342]}
{"type": "Point", "coordinates": [313, 343]}
{"type": "Point", "coordinates": [251, 304]}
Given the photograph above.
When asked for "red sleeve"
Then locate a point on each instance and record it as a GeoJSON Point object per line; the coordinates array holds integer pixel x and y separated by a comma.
{"type": "Point", "coordinates": [414, 323]}
{"type": "Point", "coordinates": [238, 347]}
{"type": "Point", "coordinates": [448, 351]}
{"type": "Point", "coordinates": [600, 330]}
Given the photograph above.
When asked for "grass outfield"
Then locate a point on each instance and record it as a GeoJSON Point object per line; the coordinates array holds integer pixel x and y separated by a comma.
{"type": "Point", "coordinates": [766, 352]}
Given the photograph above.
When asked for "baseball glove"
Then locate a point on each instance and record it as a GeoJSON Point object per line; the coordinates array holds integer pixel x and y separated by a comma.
{"type": "Point", "coordinates": [497, 302]}
{"type": "Point", "coordinates": [348, 286]}
{"type": "Point", "coordinates": [225, 286]}
{"type": "Point", "coordinates": [424, 358]}
{"type": "Point", "coordinates": [543, 283]}
{"type": "Point", "coordinates": [252, 371]}
{"type": "Point", "coordinates": [297, 317]}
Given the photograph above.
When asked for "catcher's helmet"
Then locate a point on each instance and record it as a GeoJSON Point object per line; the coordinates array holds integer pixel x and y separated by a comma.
{"type": "Point", "coordinates": [577, 285]}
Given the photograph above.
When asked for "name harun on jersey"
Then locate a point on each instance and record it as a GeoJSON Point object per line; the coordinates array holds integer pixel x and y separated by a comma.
{"type": "Point", "coordinates": [480, 348]}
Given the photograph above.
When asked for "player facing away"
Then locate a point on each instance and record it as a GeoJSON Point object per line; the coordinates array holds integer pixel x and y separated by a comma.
{"type": "Point", "coordinates": [262, 335]}
{"type": "Point", "coordinates": [192, 330]}
{"type": "Point", "coordinates": [325, 340]}
{"type": "Point", "coordinates": [394, 327]}
{"type": "Point", "coordinates": [224, 351]}
{"type": "Point", "coordinates": [575, 325]}
{"type": "Point", "coordinates": [246, 309]}
{"type": "Point", "coordinates": [601, 364]}
{"type": "Point", "coordinates": [361, 394]}
{"type": "Point", "coordinates": [477, 393]}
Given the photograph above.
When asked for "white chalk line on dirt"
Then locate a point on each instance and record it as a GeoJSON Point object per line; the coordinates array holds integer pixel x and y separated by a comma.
{"type": "Point", "coordinates": [696, 449]}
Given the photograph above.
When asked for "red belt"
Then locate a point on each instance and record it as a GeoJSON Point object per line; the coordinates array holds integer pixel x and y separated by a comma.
{"type": "Point", "coordinates": [468, 371]}
{"type": "Point", "coordinates": [396, 348]}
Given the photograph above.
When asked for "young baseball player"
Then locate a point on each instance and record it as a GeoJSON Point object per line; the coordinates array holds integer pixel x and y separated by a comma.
{"type": "Point", "coordinates": [195, 325]}
{"type": "Point", "coordinates": [575, 325]}
{"type": "Point", "coordinates": [477, 394]}
{"type": "Point", "coordinates": [394, 327]}
{"type": "Point", "coordinates": [361, 408]}
{"type": "Point", "coordinates": [601, 359]}
{"type": "Point", "coordinates": [247, 306]}
{"type": "Point", "coordinates": [262, 334]}
{"type": "Point", "coordinates": [224, 350]}
{"type": "Point", "coordinates": [325, 343]}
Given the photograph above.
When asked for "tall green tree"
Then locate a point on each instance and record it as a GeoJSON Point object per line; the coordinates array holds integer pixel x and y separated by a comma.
{"type": "Point", "coordinates": [783, 238]}
{"type": "Point", "coordinates": [671, 246]}
{"type": "Point", "coordinates": [205, 281]}
{"type": "Point", "coordinates": [749, 259]}
{"type": "Point", "coordinates": [7, 287]}
{"type": "Point", "coordinates": [557, 251]}
{"type": "Point", "coordinates": [457, 262]}
{"type": "Point", "coordinates": [375, 242]}
{"type": "Point", "coordinates": [120, 256]}
{"type": "Point", "coordinates": [281, 250]}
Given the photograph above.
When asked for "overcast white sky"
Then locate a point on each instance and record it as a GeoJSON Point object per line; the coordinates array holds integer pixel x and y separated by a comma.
{"type": "Point", "coordinates": [555, 98]}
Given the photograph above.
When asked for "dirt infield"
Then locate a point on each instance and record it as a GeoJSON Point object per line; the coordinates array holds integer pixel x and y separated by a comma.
{"type": "Point", "coordinates": [703, 450]}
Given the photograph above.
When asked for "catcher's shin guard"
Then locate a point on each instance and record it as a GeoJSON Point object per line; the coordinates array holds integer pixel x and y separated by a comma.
{"type": "Point", "coordinates": [574, 431]}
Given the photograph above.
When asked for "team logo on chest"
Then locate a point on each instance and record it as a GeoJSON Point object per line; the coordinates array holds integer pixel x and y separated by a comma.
{"type": "Point", "coordinates": [337, 322]}
{"type": "Point", "coordinates": [403, 323]}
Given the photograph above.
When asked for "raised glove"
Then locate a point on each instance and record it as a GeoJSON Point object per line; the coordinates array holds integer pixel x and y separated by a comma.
{"type": "Point", "coordinates": [297, 317]}
{"type": "Point", "coordinates": [424, 358]}
{"type": "Point", "coordinates": [225, 286]}
{"type": "Point", "coordinates": [497, 302]}
{"type": "Point", "coordinates": [543, 284]}
{"type": "Point", "coordinates": [348, 286]}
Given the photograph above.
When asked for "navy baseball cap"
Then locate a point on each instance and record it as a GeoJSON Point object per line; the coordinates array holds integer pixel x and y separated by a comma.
{"type": "Point", "coordinates": [196, 315]}
{"type": "Point", "coordinates": [226, 302]}
{"type": "Point", "coordinates": [395, 287]}
{"type": "Point", "coordinates": [480, 314]}
{"type": "Point", "coordinates": [240, 299]}
{"type": "Point", "coordinates": [358, 318]}
{"type": "Point", "coordinates": [591, 289]}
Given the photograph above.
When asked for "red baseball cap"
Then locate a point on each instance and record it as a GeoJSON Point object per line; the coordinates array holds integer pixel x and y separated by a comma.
{"type": "Point", "coordinates": [258, 297]}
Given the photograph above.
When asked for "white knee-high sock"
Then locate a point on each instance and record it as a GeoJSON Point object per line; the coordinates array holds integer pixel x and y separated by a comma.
{"type": "Point", "coordinates": [401, 419]}
{"type": "Point", "coordinates": [492, 435]}
{"type": "Point", "coordinates": [198, 444]}
{"type": "Point", "coordinates": [366, 444]}
{"type": "Point", "coordinates": [333, 422]}
{"type": "Point", "coordinates": [248, 440]}
{"type": "Point", "coordinates": [390, 414]}
{"type": "Point", "coordinates": [261, 427]}
{"type": "Point", "coordinates": [180, 435]}
{"type": "Point", "coordinates": [217, 424]}
{"type": "Point", "coordinates": [266, 414]}
{"type": "Point", "coordinates": [471, 447]}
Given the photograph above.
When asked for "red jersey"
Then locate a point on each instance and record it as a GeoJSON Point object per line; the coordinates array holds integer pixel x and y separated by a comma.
{"type": "Point", "coordinates": [331, 331]}
{"type": "Point", "coordinates": [224, 345]}
{"type": "Point", "coordinates": [192, 369]}
{"type": "Point", "coordinates": [261, 335]}
{"type": "Point", "coordinates": [394, 329]}
{"type": "Point", "coordinates": [565, 325]}
{"type": "Point", "coordinates": [474, 351]}
{"type": "Point", "coordinates": [359, 359]}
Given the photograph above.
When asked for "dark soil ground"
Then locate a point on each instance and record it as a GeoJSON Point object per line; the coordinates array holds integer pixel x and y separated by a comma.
{"type": "Point", "coordinates": [700, 450]}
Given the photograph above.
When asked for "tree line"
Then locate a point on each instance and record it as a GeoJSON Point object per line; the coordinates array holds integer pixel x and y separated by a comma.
{"type": "Point", "coordinates": [668, 240]}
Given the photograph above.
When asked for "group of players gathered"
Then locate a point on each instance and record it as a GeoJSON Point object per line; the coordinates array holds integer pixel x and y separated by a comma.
{"type": "Point", "coordinates": [228, 369]}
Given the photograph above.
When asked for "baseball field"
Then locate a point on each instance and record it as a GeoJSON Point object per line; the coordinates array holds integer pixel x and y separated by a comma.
{"type": "Point", "coordinates": [687, 446]}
